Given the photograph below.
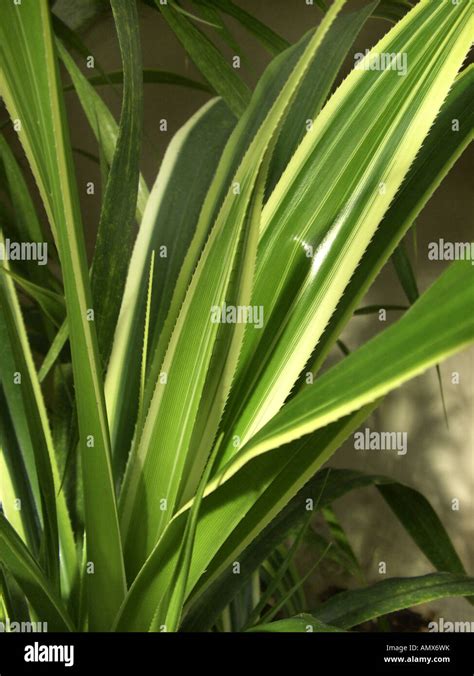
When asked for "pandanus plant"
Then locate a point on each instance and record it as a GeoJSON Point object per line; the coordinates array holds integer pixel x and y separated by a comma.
{"type": "Point", "coordinates": [156, 463]}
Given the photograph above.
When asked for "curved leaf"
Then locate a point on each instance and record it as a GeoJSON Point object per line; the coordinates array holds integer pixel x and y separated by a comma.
{"type": "Point", "coordinates": [29, 83]}
{"type": "Point", "coordinates": [221, 76]}
{"type": "Point", "coordinates": [330, 200]}
{"type": "Point", "coordinates": [150, 76]}
{"type": "Point", "coordinates": [436, 326]}
{"type": "Point", "coordinates": [304, 622]}
{"type": "Point", "coordinates": [167, 228]}
{"type": "Point", "coordinates": [180, 397]}
{"type": "Point", "coordinates": [116, 232]}
{"type": "Point", "coordinates": [350, 608]}
{"type": "Point", "coordinates": [22, 566]}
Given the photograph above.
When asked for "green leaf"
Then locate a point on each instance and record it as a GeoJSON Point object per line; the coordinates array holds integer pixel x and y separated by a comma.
{"type": "Point", "coordinates": [316, 87]}
{"type": "Point", "coordinates": [29, 576]}
{"type": "Point", "coordinates": [265, 95]}
{"type": "Point", "coordinates": [54, 351]}
{"type": "Point", "coordinates": [405, 272]}
{"type": "Point", "coordinates": [441, 149]}
{"type": "Point", "coordinates": [180, 187]}
{"type": "Point", "coordinates": [16, 406]}
{"type": "Point", "coordinates": [51, 303]}
{"type": "Point", "coordinates": [171, 608]}
{"type": "Point", "coordinates": [100, 119]}
{"type": "Point", "coordinates": [115, 236]}
{"type": "Point", "coordinates": [29, 65]}
{"type": "Point", "coordinates": [426, 334]}
{"type": "Point", "coordinates": [300, 623]}
{"type": "Point", "coordinates": [232, 243]}
{"type": "Point", "coordinates": [406, 276]}
{"type": "Point", "coordinates": [203, 614]}
{"type": "Point", "coordinates": [220, 75]}
{"type": "Point", "coordinates": [423, 524]}
{"type": "Point", "coordinates": [392, 10]}
{"type": "Point", "coordinates": [212, 16]}
{"type": "Point", "coordinates": [272, 42]}
{"type": "Point", "coordinates": [329, 202]}
{"type": "Point", "coordinates": [30, 420]}
{"type": "Point", "coordinates": [29, 227]}
{"type": "Point", "coordinates": [12, 598]}
{"type": "Point", "coordinates": [223, 175]}
{"type": "Point", "coordinates": [350, 608]}
{"type": "Point", "coordinates": [277, 577]}
{"type": "Point", "coordinates": [186, 369]}
{"type": "Point", "coordinates": [413, 511]}
{"type": "Point", "coordinates": [194, 17]}
{"type": "Point", "coordinates": [340, 537]}
{"type": "Point", "coordinates": [15, 485]}
{"type": "Point", "coordinates": [150, 76]}
{"type": "Point", "coordinates": [230, 518]}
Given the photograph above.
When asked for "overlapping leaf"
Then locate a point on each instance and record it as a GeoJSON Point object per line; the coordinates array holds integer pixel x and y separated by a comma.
{"type": "Point", "coordinates": [330, 200]}
{"type": "Point", "coordinates": [153, 474]}
{"type": "Point", "coordinates": [29, 84]}
{"type": "Point", "coordinates": [436, 326]}
{"type": "Point", "coordinates": [167, 228]}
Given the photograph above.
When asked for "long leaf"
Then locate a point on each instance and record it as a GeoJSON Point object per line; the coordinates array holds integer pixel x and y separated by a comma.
{"type": "Point", "coordinates": [300, 623]}
{"type": "Point", "coordinates": [230, 518]}
{"type": "Point", "coordinates": [116, 229]}
{"type": "Point", "coordinates": [272, 42]}
{"type": "Point", "coordinates": [150, 76]}
{"type": "Point", "coordinates": [329, 202]}
{"type": "Point", "coordinates": [309, 97]}
{"type": "Point", "coordinates": [28, 411]}
{"type": "Point", "coordinates": [419, 520]}
{"type": "Point", "coordinates": [327, 486]}
{"type": "Point", "coordinates": [29, 226]}
{"type": "Point", "coordinates": [436, 326]}
{"type": "Point", "coordinates": [222, 77]}
{"type": "Point", "coordinates": [186, 369]}
{"type": "Point", "coordinates": [100, 119]}
{"type": "Point", "coordinates": [29, 64]}
{"type": "Point", "coordinates": [441, 149]}
{"type": "Point", "coordinates": [348, 609]}
{"type": "Point", "coordinates": [182, 182]}
{"type": "Point", "coordinates": [28, 575]}
{"type": "Point", "coordinates": [303, 456]}
{"type": "Point", "coordinates": [16, 496]}
{"type": "Point", "coordinates": [320, 79]}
